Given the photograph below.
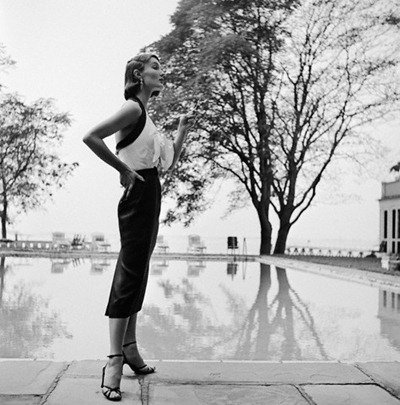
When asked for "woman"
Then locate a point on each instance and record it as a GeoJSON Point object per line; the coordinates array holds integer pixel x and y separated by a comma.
{"type": "Point", "coordinates": [140, 150]}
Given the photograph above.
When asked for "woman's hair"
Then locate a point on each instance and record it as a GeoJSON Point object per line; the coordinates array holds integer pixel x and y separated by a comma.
{"type": "Point", "coordinates": [132, 83]}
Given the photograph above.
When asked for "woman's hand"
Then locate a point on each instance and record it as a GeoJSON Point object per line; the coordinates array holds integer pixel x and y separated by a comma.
{"type": "Point", "coordinates": [187, 121]}
{"type": "Point", "coordinates": [128, 179]}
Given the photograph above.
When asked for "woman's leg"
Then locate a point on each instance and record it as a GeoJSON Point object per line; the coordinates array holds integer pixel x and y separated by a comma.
{"type": "Point", "coordinates": [113, 371]}
{"type": "Point", "coordinates": [130, 335]}
{"type": "Point", "coordinates": [130, 348]}
{"type": "Point", "coordinates": [117, 330]}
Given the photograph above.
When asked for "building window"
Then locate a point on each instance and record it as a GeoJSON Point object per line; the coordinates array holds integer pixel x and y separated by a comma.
{"type": "Point", "coordinates": [398, 224]}
{"type": "Point", "coordinates": [393, 247]}
{"type": "Point", "coordinates": [384, 298]}
{"type": "Point", "coordinates": [393, 224]}
{"type": "Point", "coordinates": [385, 225]}
{"type": "Point", "coordinates": [393, 300]}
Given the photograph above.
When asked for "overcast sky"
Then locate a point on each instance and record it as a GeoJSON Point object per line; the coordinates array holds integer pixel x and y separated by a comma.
{"type": "Point", "coordinates": [75, 52]}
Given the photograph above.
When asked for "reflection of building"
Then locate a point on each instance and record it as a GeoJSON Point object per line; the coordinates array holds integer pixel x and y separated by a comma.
{"type": "Point", "coordinates": [389, 207]}
{"type": "Point", "coordinates": [158, 266]}
{"type": "Point", "coordinates": [389, 315]}
{"type": "Point", "coordinates": [195, 267]}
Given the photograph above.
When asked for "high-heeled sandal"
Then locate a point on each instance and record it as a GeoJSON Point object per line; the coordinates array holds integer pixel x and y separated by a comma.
{"type": "Point", "coordinates": [109, 391]}
{"type": "Point", "coordinates": [145, 369]}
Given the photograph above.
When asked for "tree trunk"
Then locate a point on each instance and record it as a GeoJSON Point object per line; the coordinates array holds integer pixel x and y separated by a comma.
{"type": "Point", "coordinates": [2, 272]}
{"type": "Point", "coordinates": [266, 234]}
{"type": "Point", "coordinates": [4, 219]}
{"type": "Point", "coordinates": [283, 233]}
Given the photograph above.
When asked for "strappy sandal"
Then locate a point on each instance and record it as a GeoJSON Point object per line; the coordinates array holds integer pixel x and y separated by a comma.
{"type": "Point", "coordinates": [145, 369]}
{"type": "Point", "coordinates": [112, 394]}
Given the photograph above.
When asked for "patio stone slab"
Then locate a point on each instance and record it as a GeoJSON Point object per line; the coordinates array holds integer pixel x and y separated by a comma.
{"type": "Point", "coordinates": [384, 373]}
{"type": "Point", "coordinates": [87, 391]}
{"type": "Point", "coordinates": [257, 373]}
{"type": "Point", "coordinates": [350, 395]}
{"type": "Point", "coordinates": [20, 400]}
{"type": "Point", "coordinates": [85, 368]}
{"type": "Point", "coordinates": [28, 377]}
{"type": "Point", "coordinates": [217, 395]}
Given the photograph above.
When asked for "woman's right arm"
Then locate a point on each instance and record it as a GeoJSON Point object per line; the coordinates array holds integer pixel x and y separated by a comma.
{"type": "Point", "coordinates": [94, 139]}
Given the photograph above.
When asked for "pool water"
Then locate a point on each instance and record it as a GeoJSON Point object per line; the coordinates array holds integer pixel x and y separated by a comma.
{"type": "Point", "coordinates": [197, 310]}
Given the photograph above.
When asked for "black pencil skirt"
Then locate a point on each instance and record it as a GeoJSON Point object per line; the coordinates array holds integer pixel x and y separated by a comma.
{"type": "Point", "coordinates": [138, 217]}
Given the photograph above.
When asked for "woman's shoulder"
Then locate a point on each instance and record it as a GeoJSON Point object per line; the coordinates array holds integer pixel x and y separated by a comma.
{"type": "Point", "coordinates": [131, 105]}
{"type": "Point", "coordinates": [130, 111]}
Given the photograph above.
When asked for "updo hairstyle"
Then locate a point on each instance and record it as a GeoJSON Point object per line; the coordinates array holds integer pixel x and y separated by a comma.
{"type": "Point", "coordinates": [133, 83]}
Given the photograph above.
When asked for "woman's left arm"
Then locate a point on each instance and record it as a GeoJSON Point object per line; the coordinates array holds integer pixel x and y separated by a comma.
{"type": "Point", "coordinates": [185, 123]}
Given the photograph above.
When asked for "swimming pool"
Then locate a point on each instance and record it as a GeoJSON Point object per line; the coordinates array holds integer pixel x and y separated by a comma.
{"type": "Point", "coordinates": [197, 310]}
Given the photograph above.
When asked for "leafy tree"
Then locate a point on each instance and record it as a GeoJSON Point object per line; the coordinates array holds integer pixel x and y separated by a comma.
{"type": "Point", "coordinates": [395, 168]}
{"type": "Point", "coordinates": [30, 168]}
{"type": "Point", "coordinates": [5, 61]}
{"type": "Point", "coordinates": [283, 87]}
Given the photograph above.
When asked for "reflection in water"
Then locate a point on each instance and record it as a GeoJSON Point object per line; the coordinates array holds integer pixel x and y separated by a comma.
{"type": "Point", "coordinates": [268, 329]}
{"type": "Point", "coordinates": [158, 266]}
{"type": "Point", "coordinates": [98, 265]}
{"type": "Point", "coordinates": [26, 327]}
{"type": "Point", "coordinates": [181, 332]}
{"type": "Point", "coordinates": [194, 267]}
{"type": "Point", "coordinates": [389, 315]}
{"type": "Point", "coordinates": [265, 331]}
{"type": "Point", "coordinates": [231, 269]}
{"type": "Point", "coordinates": [59, 265]}
{"type": "Point", "coordinates": [205, 310]}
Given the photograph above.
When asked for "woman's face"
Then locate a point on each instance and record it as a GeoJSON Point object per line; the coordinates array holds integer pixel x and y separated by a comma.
{"type": "Point", "coordinates": [151, 75]}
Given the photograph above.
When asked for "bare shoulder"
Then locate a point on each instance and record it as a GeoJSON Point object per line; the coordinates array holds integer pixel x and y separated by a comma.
{"type": "Point", "coordinates": [129, 113]}
{"type": "Point", "coordinates": [131, 107]}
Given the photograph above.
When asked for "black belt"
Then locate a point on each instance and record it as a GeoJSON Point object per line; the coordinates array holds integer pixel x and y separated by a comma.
{"type": "Point", "coordinates": [148, 172]}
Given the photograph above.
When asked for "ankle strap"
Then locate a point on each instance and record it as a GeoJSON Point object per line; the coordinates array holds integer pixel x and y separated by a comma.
{"type": "Point", "coordinates": [128, 344]}
{"type": "Point", "coordinates": [114, 355]}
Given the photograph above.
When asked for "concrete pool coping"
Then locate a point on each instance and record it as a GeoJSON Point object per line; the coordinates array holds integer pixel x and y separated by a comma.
{"type": "Point", "coordinates": [350, 274]}
{"type": "Point", "coordinates": [39, 382]}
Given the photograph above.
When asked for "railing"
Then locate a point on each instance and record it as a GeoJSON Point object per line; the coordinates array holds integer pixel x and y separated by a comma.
{"type": "Point", "coordinates": [323, 251]}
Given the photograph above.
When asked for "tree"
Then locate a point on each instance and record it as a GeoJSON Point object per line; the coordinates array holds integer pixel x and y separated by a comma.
{"type": "Point", "coordinates": [30, 168]}
{"type": "Point", "coordinates": [283, 88]}
{"type": "Point", "coordinates": [395, 168]}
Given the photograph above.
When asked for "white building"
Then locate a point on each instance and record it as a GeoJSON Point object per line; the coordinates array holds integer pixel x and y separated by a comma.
{"type": "Point", "coordinates": [389, 206]}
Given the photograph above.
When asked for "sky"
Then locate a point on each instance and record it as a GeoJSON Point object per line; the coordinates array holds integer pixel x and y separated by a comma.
{"type": "Point", "coordinates": [75, 52]}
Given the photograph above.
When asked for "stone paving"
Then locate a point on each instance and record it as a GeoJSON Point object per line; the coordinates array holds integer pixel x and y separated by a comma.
{"type": "Point", "coordinates": [34, 382]}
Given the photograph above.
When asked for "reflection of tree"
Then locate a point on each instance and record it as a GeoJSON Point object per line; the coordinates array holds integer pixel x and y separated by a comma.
{"type": "Point", "coordinates": [181, 333]}
{"type": "Point", "coordinates": [26, 324]}
{"type": "Point", "coordinates": [269, 330]}
{"type": "Point", "coordinates": [280, 327]}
